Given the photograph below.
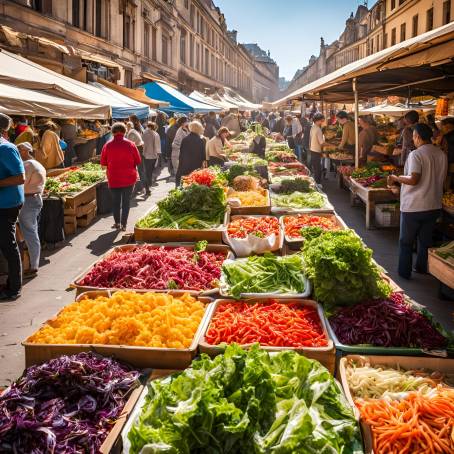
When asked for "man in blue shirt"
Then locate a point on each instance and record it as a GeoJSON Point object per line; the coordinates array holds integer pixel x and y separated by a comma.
{"type": "Point", "coordinates": [12, 177]}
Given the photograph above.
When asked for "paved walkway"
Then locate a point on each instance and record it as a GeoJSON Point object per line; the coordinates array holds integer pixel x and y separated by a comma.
{"type": "Point", "coordinates": [45, 295]}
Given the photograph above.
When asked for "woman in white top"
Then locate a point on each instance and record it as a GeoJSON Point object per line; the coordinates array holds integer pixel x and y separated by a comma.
{"type": "Point", "coordinates": [151, 152]}
{"type": "Point", "coordinates": [316, 142]}
{"type": "Point", "coordinates": [35, 179]}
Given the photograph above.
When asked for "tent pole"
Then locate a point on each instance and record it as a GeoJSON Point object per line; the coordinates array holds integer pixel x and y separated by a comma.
{"type": "Point", "coordinates": [355, 92]}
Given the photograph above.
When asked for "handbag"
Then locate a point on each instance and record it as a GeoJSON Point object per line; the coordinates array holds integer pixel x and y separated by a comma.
{"type": "Point", "coordinates": [63, 144]}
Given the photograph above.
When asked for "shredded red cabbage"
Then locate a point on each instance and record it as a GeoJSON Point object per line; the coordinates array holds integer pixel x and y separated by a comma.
{"type": "Point", "coordinates": [386, 323]}
{"type": "Point", "coordinates": [160, 268]}
{"type": "Point", "coordinates": [67, 405]}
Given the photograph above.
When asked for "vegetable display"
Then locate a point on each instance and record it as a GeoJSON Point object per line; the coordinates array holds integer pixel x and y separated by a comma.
{"type": "Point", "coordinates": [448, 200]}
{"type": "Point", "coordinates": [67, 405]}
{"type": "Point", "coordinates": [246, 402]}
{"type": "Point", "coordinates": [271, 323]}
{"type": "Point", "coordinates": [391, 322]}
{"type": "Point", "coordinates": [237, 170]}
{"type": "Point", "coordinates": [250, 198]}
{"type": "Point", "coordinates": [342, 270]}
{"type": "Point", "coordinates": [152, 267]}
{"type": "Point", "coordinates": [313, 199]}
{"type": "Point", "coordinates": [193, 207]}
{"type": "Point", "coordinates": [126, 318]}
{"type": "Point", "coordinates": [265, 274]}
{"type": "Point", "coordinates": [275, 155]}
{"type": "Point", "coordinates": [296, 226]}
{"type": "Point", "coordinates": [208, 177]}
{"type": "Point", "coordinates": [446, 252]}
{"type": "Point", "coordinates": [75, 179]}
{"type": "Point", "coordinates": [299, 184]}
{"type": "Point", "coordinates": [259, 226]}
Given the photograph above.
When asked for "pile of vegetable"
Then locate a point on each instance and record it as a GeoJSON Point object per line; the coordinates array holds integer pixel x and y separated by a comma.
{"type": "Point", "coordinates": [390, 322]}
{"type": "Point", "coordinates": [345, 170]}
{"type": "Point", "coordinates": [246, 183]}
{"type": "Point", "coordinates": [193, 207]}
{"type": "Point", "coordinates": [280, 156]}
{"type": "Point", "coordinates": [260, 226]}
{"type": "Point", "coordinates": [374, 181]}
{"type": "Point", "coordinates": [277, 172]}
{"type": "Point", "coordinates": [250, 198]}
{"type": "Point", "coordinates": [150, 267]}
{"type": "Point", "coordinates": [237, 170]}
{"type": "Point", "coordinates": [246, 402]}
{"type": "Point", "coordinates": [248, 159]}
{"type": "Point", "coordinates": [271, 323]}
{"type": "Point", "coordinates": [342, 270]}
{"type": "Point", "coordinates": [299, 200]}
{"type": "Point", "coordinates": [288, 186]}
{"type": "Point", "coordinates": [265, 274]}
{"type": "Point", "coordinates": [75, 179]}
{"type": "Point", "coordinates": [407, 411]}
{"type": "Point", "coordinates": [448, 200]}
{"type": "Point", "coordinates": [446, 252]}
{"type": "Point", "coordinates": [126, 318]}
{"type": "Point", "coordinates": [371, 169]}
{"type": "Point", "coordinates": [210, 176]}
{"type": "Point", "coordinates": [298, 226]}
{"type": "Point", "coordinates": [67, 405]}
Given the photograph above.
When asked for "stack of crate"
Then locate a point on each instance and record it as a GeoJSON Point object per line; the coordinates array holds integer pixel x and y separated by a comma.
{"type": "Point", "coordinates": [80, 210]}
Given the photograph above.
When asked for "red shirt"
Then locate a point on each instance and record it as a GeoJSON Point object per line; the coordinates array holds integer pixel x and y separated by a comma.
{"type": "Point", "coordinates": [121, 157]}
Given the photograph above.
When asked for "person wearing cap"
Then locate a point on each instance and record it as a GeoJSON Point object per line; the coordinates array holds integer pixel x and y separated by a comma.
{"type": "Point", "coordinates": [231, 122]}
{"type": "Point", "coordinates": [121, 157]}
{"type": "Point", "coordinates": [50, 154]}
{"type": "Point", "coordinates": [192, 151]}
{"type": "Point", "coordinates": [348, 132]}
{"type": "Point", "coordinates": [12, 178]}
{"type": "Point", "coordinates": [35, 180]}
{"type": "Point", "coordinates": [215, 154]}
{"type": "Point", "coordinates": [317, 140]}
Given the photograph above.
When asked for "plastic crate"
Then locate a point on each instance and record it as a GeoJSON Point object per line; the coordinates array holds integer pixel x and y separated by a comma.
{"type": "Point", "coordinates": [387, 215]}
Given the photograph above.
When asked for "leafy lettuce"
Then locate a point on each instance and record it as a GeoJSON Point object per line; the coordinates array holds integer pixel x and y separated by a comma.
{"type": "Point", "coordinates": [246, 402]}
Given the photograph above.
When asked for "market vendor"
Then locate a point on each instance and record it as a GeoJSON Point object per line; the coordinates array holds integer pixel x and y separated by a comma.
{"type": "Point", "coordinates": [49, 153]}
{"type": "Point", "coordinates": [366, 139]}
{"type": "Point", "coordinates": [348, 132]}
{"type": "Point", "coordinates": [420, 199]}
{"type": "Point", "coordinates": [258, 144]}
{"type": "Point", "coordinates": [215, 153]}
{"type": "Point", "coordinates": [23, 131]}
{"type": "Point", "coordinates": [406, 144]}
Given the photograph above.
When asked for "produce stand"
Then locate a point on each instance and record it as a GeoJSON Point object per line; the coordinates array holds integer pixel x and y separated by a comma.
{"type": "Point", "coordinates": [325, 355]}
{"type": "Point", "coordinates": [80, 289]}
{"type": "Point", "coordinates": [141, 357]}
{"type": "Point", "coordinates": [146, 235]}
{"type": "Point", "coordinates": [244, 210]}
{"type": "Point", "coordinates": [442, 365]}
{"type": "Point", "coordinates": [370, 196]}
{"type": "Point", "coordinates": [441, 269]}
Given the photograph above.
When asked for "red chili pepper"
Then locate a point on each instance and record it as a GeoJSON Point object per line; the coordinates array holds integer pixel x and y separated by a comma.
{"type": "Point", "coordinates": [271, 324]}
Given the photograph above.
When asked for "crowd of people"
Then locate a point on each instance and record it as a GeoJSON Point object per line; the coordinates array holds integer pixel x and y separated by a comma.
{"type": "Point", "coordinates": [134, 152]}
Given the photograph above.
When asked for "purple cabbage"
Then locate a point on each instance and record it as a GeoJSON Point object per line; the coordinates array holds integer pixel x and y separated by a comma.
{"type": "Point", "coordinates": [67, 405]}
{"type": "Point", "coordinates": [392, 322]}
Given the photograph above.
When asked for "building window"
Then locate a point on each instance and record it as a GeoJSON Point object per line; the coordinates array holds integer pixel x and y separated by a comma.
{"type": "Point", "coordinates": [191, 50]}
{"type": "Point", "coordinates": [127, 31]}
{"type": "Point", "coordinates": [414, 26]}
{"type": "Point", "coordinates": [191, 16]}
{"type": "Point", "coordinates": [154, 41]}
{"type": "Point", "coordinates": [446, 12]}
{"type": "Point", "coordinates": [393, 37]}
{"type": "Point", "coordinates": [76, 13]}
{"type": "Point", "coordinates": [42, 6]}
{"type": "Point", "coordinates": [101, 17]}
{"type": "Point", "coordinates": [430, 19]}
{"type": "Point", "coordinates": [197, 56]}
{"type": "Point", "coordinates": [403, 30]}
{"type": "Point", "coordinates": [207, 62]}
{"type": "Point", "coordinates": [183, 46]}
{"type": "Point", "coordinates": [186, 4]}
{"type": "Point", "coordinates": [213, 68]}
{"type": "Point", "coordinates": [128, 78]}
{"type": "Point", "coordinates": [393, 4]}
{"type": "Point", "coordinates": [146, 40]}
{"type": "Point", "coordinates": [165, 50]}
{"type": "Point", "coordinates": [385, 41]}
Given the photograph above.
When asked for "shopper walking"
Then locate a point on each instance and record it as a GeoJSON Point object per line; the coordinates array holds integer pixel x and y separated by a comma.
{"type": "Point", "coordinates": [12, 177]}
{"type": "Point", "coordinates": [215, 153]}
{"type": "Point", "coordinates": [35, 180]}
{"type": "Point", "coordinates": [192, 151]}
{"type": "Point", "coordinates": [420, 199]}
{"type": "Point", "coordinates": [181, 133]}
{"type": "Point", "coordinates": [151, 153]}
{"type": "Point", "coordinates": [317, 140]}
{"type": "Point", "coordinates": [121, 157]}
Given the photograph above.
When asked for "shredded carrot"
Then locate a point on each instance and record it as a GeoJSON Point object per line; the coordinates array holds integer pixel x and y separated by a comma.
{"type": "Point", "coordinates": [417, 423]}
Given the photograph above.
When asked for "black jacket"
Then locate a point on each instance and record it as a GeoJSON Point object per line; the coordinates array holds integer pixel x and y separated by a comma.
{"type": "Point", "coordinates": [192, 155]}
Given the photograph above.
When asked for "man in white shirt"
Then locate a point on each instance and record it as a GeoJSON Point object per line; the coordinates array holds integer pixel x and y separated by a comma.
{"type": "Point", "coordinates": [317, 139]}
{"type": "Point", "coordinates": [151, 152]}
{"type": "Point", "coordinates": [35, 180]}
{"type": "Point", "coordinates": [420, 199]}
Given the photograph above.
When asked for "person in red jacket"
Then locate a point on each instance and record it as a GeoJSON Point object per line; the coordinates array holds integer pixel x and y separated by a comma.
{"type": "Point", "coordinates": [121, 157]}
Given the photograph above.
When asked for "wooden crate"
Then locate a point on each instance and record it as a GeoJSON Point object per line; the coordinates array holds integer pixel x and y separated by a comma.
{"type": "Point", "coordinates": [441, 269]}
{"type": "Point", "coordinates": [80, 210]}
{"type": "Point", "coordinates": [86, 219]}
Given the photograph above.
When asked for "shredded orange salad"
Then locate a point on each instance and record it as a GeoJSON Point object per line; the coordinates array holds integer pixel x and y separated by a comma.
{"type": "Point", "coordinates": [250, 198]}
{"type": "Point", "coordinates": [126, 318]}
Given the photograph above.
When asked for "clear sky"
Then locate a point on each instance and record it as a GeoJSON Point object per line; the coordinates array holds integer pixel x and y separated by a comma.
{"type": "Point", "coordinates": [290, 29]}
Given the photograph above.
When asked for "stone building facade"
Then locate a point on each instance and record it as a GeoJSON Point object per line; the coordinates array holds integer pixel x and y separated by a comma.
{"type": "Point", "coordinates": [184, 42]}
{"type": "Point", "coordinates": [368, 31]}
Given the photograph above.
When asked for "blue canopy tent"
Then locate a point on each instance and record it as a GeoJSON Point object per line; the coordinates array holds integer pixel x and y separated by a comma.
{"type": "Point", "coordinates": [179, 102]}
{"type": "Point", "coordinates": [123, 106]}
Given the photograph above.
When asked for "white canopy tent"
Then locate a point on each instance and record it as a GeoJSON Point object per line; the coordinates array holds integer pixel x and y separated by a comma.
{"type": "Point", "coordinates": [196, 95]}
{"type": "Point", "coordinates": [393, 110]}
{"type": "Point", "coordinates": [20, 101]}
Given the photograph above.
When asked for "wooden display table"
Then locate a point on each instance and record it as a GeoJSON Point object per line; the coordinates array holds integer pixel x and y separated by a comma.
{"type": "Point", "coordinates": [441, 269]}
{"type": "Point", "coordinates": [370, 196]}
